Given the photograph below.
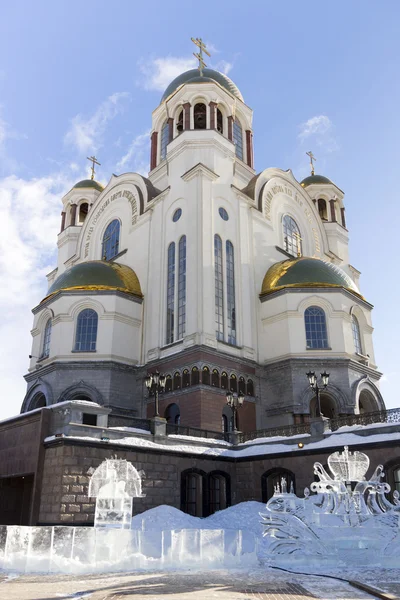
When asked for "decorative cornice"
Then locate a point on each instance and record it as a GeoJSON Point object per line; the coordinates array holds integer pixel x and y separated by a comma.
{"type": "Point", "coordinates": [200, 169]}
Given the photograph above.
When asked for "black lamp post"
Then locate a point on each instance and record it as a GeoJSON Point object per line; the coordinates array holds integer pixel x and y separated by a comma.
{"type": "Point", "coordinates": [235, 401]}
{"type": "Point", "coordinates": [312, 378]}
{"type": "Point", "coordinates": [155, 383]}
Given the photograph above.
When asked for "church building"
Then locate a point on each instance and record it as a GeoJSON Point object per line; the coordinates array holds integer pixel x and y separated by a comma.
{"type": "Point", "coordinates": [221, 278]}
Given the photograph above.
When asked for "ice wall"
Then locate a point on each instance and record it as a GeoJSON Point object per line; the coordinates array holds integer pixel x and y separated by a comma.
{"type": "Point", "coordinates": [90, 550]}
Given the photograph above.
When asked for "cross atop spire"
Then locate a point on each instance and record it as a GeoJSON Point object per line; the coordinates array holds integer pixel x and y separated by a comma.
{"type": "Point", "coordinates": [199, 55]}
{"type": "Point", "coordinates": [93, 160]}
{"type": "Point", "coordinates": [312, 158]}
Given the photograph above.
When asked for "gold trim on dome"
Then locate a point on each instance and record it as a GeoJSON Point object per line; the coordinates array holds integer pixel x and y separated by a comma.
{"type": "Point", "coordinates": [94, 288]}
{"type": "Point", "coordinates": [129, 278]}
{"type": "Point", "coordinates": [309, 285]}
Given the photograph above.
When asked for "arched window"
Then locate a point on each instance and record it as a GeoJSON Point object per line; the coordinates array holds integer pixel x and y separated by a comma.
{"type": "Point", "coordinates": [172, 414]}
{"type": "Point", "coordinates": [215, 378]}
{"type": "Point", "coordinates": [233, 383]}
{"type": "Point", "coordinates": [205, 376]}
{"type": "Point", "coordinates": [219, 288]}
{"type": "Point", "coordinates": [179, 123]}
{"type": "Point", "coordinates": [170, 293]}
{"type": "Point", "coordinates": [323, 213]}
{"type": "Point", "coordinates": [315, 323]}
{"type": "Point", "coordinates": [185, 378]}
{"type": "Point", "coordinates": [220, 121]}
{"type": "Point", "coordinates": [291, 237]}
{"type": "Point", "coordinates": [177, 381]}
{"type": "Point", "coordinates": [227, 419]}
{"type": "Point", "coordinates": [224, 380]}
{"type": "Point", "coordinates": [200, 116]}
{"type": "Point", "coordinates": [168, 384]}
{"type": "Point", "coordinates": [356, 334]}
{"type": "Point", "coordinates": [195, 376]}
{"type": "Point", "coordinates": [328, 407]}
{"type": "Point", "coordinates": [110, 246]}
{"type": "Point", "coordinates": [218, 491]}
{"type": "Point", "coordinates": [83, 211]}
{"type": "Point", "coordinates": [182, 287]}
{"type": "Point", "coordinates": [242, 386]}
{"type": "Point", "coordinates": [46, 340]}
{"type": "Point", "coordinates": [238, 138]}
{"type": "Point", "coordinates": [367, 402]}
{"type": "Point", "coordinates": [193, 492]}
{"type": "Point", "coordinates": [230, 292]}
{"type": "Point", "coordinates": [274, 478]}
{"type": "Point", "coordinates": [86, 331]}
{"type": "Point", "coordinates": [250, 387]}
{"type": "Point", "coordinates": [164, 140]}
{"type": "Point", "coordinates": [38, 401]}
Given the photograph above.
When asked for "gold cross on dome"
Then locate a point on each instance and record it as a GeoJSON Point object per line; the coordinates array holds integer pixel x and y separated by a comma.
{"type": "Point", "coordinates": [312, 157]}
{"type": "Point", "coordinates": [94, 161]}
{"type": "Point", "coordinates": [199, 55]}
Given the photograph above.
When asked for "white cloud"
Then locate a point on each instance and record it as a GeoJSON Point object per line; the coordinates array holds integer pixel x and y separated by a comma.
{"type": "Point", "coordinates": [319, 125]}
{"type": "Point", "coordinates": [159, 72]}
{"type": "Point", "coordinates": [86, 133]}
{"type": "Point", "coordinates": [136, 158]}
{"type": "Point", "coordinates": [30, 215]}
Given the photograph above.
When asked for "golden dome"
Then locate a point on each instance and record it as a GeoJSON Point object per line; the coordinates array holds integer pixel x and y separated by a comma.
{"type": "Point", "coordinates": [97, 275]}
{"type": "Point", "coordinates": [306, 272]}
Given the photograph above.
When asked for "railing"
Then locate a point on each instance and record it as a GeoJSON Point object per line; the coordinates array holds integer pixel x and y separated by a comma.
{"type": "Point", "coordinates": [127, 421]}
{"type": "Point", "coordinates": [284, 431]}
{"type": "Point", "coordinates": [382, 416]}
{"type": "Point", "coordinates": [196, 432]}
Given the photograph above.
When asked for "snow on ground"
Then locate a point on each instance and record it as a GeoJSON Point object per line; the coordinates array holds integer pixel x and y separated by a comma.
{"type": "Point", "coordinates": [166, 518]}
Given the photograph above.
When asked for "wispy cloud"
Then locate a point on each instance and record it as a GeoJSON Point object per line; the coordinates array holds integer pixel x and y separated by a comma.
{"type": "Point", "coordinates": [320, 131]}
{"type": "Point", "coordinates": [30, 213]}
{"type": "Point", "coordinates": [159, 72]}
{"type": "Point", "coordinates": [223, 66]}
{"type": "Point", "coordinates": [136, 158]}
{"type": "Point", "coordinates": [86, 133]}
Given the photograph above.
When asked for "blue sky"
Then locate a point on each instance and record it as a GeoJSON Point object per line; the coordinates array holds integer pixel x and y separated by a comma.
{"type": "Point", "coordinates": [83, 77]}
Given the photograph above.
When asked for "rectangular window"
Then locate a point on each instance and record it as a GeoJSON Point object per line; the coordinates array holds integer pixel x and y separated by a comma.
{"type": "Point", "coordinates": [170, 293]}
{"type": "Point", "coordinates": [182, 287]}
{"type": "Point", "coordinates": [219, 289]}
{"type": "Point", "coordinates": [230, 292]}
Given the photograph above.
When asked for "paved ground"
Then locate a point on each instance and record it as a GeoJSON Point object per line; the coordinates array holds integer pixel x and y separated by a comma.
{"type": "Point", "coordinates": [256, 584]}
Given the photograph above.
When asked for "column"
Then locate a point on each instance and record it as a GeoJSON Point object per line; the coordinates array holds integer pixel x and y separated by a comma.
{"type": "Point", "coordinates": [333, 211]}
{"type": "Point", "coordinates": [73, 214]}
{"type": "Point", "coordinates": [63, 215]}
{"type": "Point", "coordinates": [249, 147]}
{"type": "Point", "coordinates": [213, 111]}
{"type": "Point", "coordinates": [230, 128]}
{"type": "Point", "coordinates": [186, 116]}
{"type": "Point", "coordinates": [343, 217]}
{"type": "Point", "coordinates": [153, 150]}
{"type": "Point", "coordinates": [170, 129]}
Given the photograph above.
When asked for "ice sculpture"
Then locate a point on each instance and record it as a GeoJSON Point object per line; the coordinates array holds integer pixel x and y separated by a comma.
{"type": "Point", "coordinates": [348, 519]}
{"type": "Point", "coordinates": [114, 484]}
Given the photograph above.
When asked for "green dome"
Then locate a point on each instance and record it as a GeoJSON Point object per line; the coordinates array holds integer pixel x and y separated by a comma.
{"type": "Point", "coordinates": [97, 275]}
{"type": "Point", "coordinates": [314, 179]}
{"type": "Point", "coordinates": [193, 76]}
{"type": "Point", "coordinates": [89, 183]}
{"type": "Point", "coordinates": [306, 272]}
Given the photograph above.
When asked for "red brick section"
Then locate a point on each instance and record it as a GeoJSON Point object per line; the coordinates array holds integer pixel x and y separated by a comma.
{"type": "Point", "coordinates": [73, 214]}
{"type": "Point", "coordinates": [153, 151]}
{"type": "Point", "coordinates": [249, 147]}
{"type": "Point", "coordinates": [202, 407]}
{"type": "Point", "coordinates": [63, 215]}
{"type": "Point", "coordinates": [213, 106]}
{"type": "Point", "coordinates": [230, 128]}
{"type": "Point", "coordinates": [170, 129]}
{"type": "Point", "coordinates": [186, 115]}
{"type": "Point", "coordinates": [343, 217]}
{"type": "Point", "coordinates": [333, 212]}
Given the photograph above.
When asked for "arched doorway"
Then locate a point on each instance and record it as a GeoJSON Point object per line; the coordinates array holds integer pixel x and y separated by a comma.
{"type": "Point", "coordinates": [273, 479]}
{"type": "Point", "coordinates": [173, 414]}
{"type": "Point", "coordinates": [366, 402]}
{"type": "Point", "coordinates": [328, 407]}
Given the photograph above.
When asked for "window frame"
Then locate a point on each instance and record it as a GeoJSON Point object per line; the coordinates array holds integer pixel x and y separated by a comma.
{"type": "Point", "coordinates": [312, 328]}
{"type": "Point", "coordinates": [356, 330]}
{"type": "Point", "coordinates": [164, 140]}
{"type": "Point", "coordinates": [239, 147]}
{"type": "Point", "coordinates": [291, 242]}
{"type": "Point", "coordinates": [46, 341]}
{"type": "Point", "coordinates": [92, 342]}
{"type": "Point", "coordinates": [116, 245]}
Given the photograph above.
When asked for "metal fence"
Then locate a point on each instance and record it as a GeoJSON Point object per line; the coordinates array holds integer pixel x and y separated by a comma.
{"type": "Point", "coordinates": [284, 431]}
{"type": "Point", "coordinates": [382, 416]}
{"type": "Point", "coordinates": [196, 432]}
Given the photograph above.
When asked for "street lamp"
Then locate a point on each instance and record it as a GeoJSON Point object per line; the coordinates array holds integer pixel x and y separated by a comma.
{"type": "Point", "coordinates": [155, 383]}
{"type": "Point", "coordinates": [312, 378]}
{"type": "Point", "coordinates": [235, 401]}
